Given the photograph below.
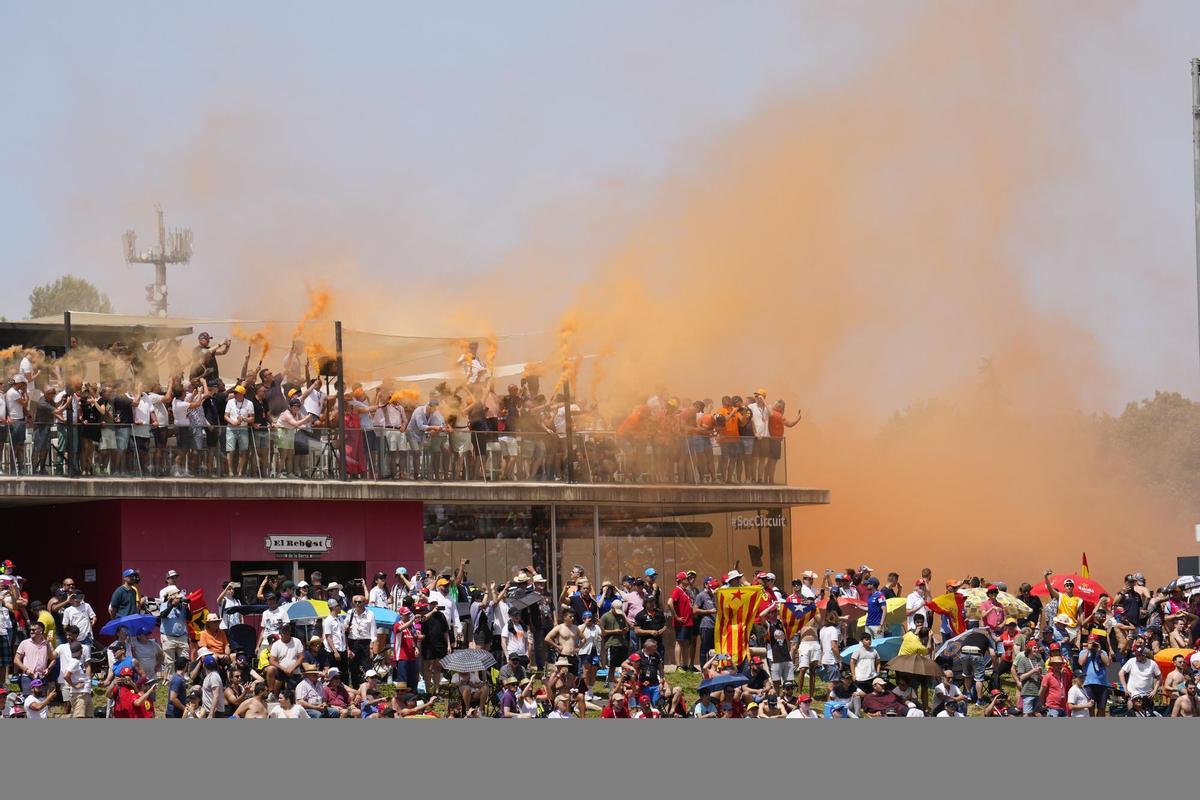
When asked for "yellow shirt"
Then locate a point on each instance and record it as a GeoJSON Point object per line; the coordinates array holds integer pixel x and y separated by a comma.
{"type": "Point", "coordinates": [911, 644]}
{"type": "Point", "coordinates": [1070, 606]}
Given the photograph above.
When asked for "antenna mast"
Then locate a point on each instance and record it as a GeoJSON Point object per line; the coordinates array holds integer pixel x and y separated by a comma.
{"type": "Point", "coordinates": [174, 247]}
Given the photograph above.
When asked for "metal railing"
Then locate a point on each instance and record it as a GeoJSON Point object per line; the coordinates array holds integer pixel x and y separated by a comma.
{"type": "Point", "coordinates": [314, 453]}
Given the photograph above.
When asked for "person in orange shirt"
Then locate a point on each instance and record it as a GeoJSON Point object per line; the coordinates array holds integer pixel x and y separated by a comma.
{"type": "Point", "coordinates": [726, 422]}
{"type": "Point", "coordinates": [776, 423]}
{"type": "Point", "coordinates": [214, 638]}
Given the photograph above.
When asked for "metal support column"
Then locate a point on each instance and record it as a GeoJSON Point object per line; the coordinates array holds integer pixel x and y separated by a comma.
{"type": "Point", "coordinates": [341, 398]}
{"type": "Point", "coordinates": [1196, 170]}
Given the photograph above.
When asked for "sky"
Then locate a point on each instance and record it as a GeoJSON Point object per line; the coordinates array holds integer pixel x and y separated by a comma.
{"type": "Point", "coordinates": [411, 145]}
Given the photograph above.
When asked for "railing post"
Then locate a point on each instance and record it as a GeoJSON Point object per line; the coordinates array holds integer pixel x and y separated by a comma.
{"type": "Point", "coordinates": [570, 430]}
{"type": "Point", "coordinates": [69, 464]}
{"type": "Point", "coordinates": [341, 398]}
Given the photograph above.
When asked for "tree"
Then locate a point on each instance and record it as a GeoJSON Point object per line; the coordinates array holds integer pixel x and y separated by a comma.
{"type": "Point", "coordinates": [68, 293]}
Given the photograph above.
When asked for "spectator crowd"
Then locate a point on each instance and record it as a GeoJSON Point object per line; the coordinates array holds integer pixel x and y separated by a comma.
{"type": "Point", "coordinates": [841, 645]}
{"type": "Point", "coordinates": [286, 424]}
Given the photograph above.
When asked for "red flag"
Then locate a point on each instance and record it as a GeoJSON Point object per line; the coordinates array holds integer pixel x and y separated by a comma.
{"type": "Point", "coordinates": [197, 602]}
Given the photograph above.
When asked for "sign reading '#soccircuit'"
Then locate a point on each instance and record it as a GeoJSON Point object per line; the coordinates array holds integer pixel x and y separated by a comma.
{"type": "Point", "coordinates": [759, 521]}
{"type": "Point", "coordinates": [298, 546]}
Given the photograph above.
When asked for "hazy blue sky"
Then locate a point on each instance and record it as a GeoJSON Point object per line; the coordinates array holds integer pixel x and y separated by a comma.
{"type": "Point", "coordinates": [243, 119]}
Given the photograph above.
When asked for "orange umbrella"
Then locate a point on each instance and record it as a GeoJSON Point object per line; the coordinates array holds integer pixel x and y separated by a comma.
{"type": "Point", "coordinates": [1166, 658]}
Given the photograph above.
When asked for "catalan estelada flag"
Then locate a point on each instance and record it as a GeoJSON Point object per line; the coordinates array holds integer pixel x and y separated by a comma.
{"type": "Point", "coordinates": [950, 605]}
{"type": "Point", "coordinates": [737, 608]}
{"type": "Point", "coordinates": [795, 616]}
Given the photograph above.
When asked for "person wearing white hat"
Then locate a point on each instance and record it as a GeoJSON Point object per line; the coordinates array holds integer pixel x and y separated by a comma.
{"type": "Point", "coordinates": [735, 578]}
{"type": "Point", "coordinates": [172, 578]}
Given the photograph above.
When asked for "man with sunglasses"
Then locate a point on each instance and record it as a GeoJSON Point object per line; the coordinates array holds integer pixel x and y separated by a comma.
{"type": "Point", "coordinates": [360, 633]}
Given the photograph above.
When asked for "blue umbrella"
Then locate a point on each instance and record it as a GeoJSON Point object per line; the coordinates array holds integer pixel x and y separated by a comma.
{"type": "Point", "coordinates": [888, 647]}
{"type": "Point", "coordinates": [719, 683]}
{"type": "Point", "coordinates": [136, 623]}
{"type": "Point", "coordinates": [384, 617]}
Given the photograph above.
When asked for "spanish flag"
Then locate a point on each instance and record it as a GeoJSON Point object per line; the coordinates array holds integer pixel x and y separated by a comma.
{"type": "Point", "coordinates": [950, 605]}
{"type": "Point", "coordinates": [737, 608]}
{"type": "Point", "coordinates": [1084, 572]}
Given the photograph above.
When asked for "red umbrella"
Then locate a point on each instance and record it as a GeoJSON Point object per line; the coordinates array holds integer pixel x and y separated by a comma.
{"type": "Point", "coordinates": [849, 608]}
{"type": "Point", "coordinates": [1086, 589]}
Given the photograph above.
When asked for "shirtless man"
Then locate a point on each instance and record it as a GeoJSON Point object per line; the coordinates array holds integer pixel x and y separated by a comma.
{"type": "Point", "coordinates": [563, 638]}
{"type": "Point", "coordinates": [1173, 684]}
{"type": "Point", "coordinates": [254, 706]}
{"type": "Point", "coordinates": [1186, 705]}
{"type": "Point", "coordinates": [808, 656]}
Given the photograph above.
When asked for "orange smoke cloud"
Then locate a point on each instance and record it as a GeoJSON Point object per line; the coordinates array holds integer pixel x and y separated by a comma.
{"type": "Point", "coordinates": [318, 302]}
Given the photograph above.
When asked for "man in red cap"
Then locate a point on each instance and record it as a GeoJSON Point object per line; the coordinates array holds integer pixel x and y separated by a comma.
{"type": "Point", "coordinates": [915, 602]}
{"type": "Point", "coordinates": [1056, 683]}
{"type": "Point", "coordinates": [680, 605]}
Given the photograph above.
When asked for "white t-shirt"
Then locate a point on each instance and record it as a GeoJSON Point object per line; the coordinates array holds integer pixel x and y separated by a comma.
{"type": "Point", "coordinates": [179, 407]}
{"type": "Point", "coordinates": [70, 669]}
{"type": "Point", "coordinates": [295, 712]}
{"type": "Point", "coordinates": [377, 597]}
{"type": "Point", "coordinates": [1076, 696]}
{"type": "Point", "coordinates": [943, 693]}
{"type": "Point", "coordinates": [288, 653]}
{"type": "Point", "coordinates": [242, 410]}
{"type": "Point", "coordinates": [799, 714]}
{"type": "Point", "coordinates": [1140, 678]}
{"type": "Point", "coordinates": [589, 639]}
{"type": "Point", "coordinates": [914, 604]}
{"type": "Point", "coordinates": [158, 409]}
{"type": "Point", "coordinates": [81, 618]}
{"type": "Point", "coordinates": [333, 626]}
{"type": "Point", "coordinates": [272, 621]}
{"type": "Point", "coordinates": [141, 409]}
{"type": "Point", "coordinates": [15, 409]}
{"type": "Point", "coordinates": [915, 712]}
{"type": "Point", "coordinates": [829, 634]}
{"type": "Point", "coordinates": [866, 664]}
{"type": "Point", "coordinates": [314, 403]}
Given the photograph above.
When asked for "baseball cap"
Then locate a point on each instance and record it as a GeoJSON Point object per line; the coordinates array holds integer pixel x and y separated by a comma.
{"type": "Point", "coordinates": [1068, 582]}
{"type": "Point", "coordinates": [586, 615]}
{"type": "Point", "coordinates": [129, 573]}
{"type": "Point", "coordinates": [1010, 621]}
{"type": "Point", "coordinates": [681, 576]}
{"type": "Point", "coordinates": [209, 661]}
{"type": "Point", "coordinates": [204, 335]}
{"type": "Point", "coordinates": [993, 588]}
{"type": "Point", "coordinates": [333, 672]}
{"type": "Point", "coordinates": [172, 573]}
{"type": "Point", "coordinates": [401, 570]}
{"type": "Point", "coordinates": [651, 572]}
{"type": "Point", "coordinates": [302, 585]}
{"type": "Point", "coordinates": [803, 698]}
{"type": "Point", "coordinates": [879, 682]}
{"type": "Point", "coordinates": [865, 568]}
{"type": "Point", "coordinates": [920, 581]}
{"type": "Point", "coordinates": [239, 389]}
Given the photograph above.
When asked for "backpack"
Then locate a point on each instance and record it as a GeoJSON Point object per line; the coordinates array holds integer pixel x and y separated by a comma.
{"type": "Point", "coordinates": [482, 629]}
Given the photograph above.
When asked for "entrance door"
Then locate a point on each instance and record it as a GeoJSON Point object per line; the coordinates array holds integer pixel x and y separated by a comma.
{"type": "Point", "coordinates": [251, 573]}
